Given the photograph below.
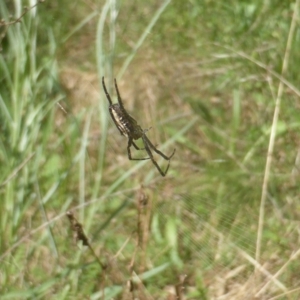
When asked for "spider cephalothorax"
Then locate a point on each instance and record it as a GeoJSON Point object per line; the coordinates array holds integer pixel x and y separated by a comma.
{"type": "Point", "coordinates": [129, 127]}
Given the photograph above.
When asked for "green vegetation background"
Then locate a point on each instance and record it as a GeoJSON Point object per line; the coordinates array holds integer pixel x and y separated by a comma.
{"type": "Point", "coordinates": [206, 76]}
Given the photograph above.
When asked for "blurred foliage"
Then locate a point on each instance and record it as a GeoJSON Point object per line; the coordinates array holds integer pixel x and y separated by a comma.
{"type": "Point", "coordinates": [204, 79]}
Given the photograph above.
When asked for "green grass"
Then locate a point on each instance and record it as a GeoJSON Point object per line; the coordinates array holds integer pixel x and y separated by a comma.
{"type": "Point", "coordinates": [206, 76]}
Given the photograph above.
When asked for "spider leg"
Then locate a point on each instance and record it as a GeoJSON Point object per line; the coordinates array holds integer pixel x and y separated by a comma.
{"type": "Point", "coordinates": [131, 142]}
{"type": "Point", "coordinates": [106, 93]}
{"type": "Point", "coordinates": [118, 94]}
{"type": "Point", "coordinates": [148, 142]}
{"type": "Point", "coordinates": [136, 147]}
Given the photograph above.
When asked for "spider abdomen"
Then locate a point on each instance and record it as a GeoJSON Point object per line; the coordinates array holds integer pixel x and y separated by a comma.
{"type": "Point", "coordinates": [124, 122]}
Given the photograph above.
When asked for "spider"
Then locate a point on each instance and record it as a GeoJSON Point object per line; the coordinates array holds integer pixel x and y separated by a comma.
{"type": "Point", "coordinates": [129, 127]}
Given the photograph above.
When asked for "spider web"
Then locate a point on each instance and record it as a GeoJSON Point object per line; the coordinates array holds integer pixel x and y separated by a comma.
{"type": "Point", "coordinates": [215, 242]}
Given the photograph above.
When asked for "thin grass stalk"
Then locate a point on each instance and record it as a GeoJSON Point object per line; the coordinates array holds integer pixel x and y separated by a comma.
{"type": "Point", "coordinates": [112, 36]}
{"type": "Point", "coordinates": [263, 66]}
{"type": "Point", "coordinates": [273, 133]}
{"type": "Point", "coordinates": [293, 257]}
{"type": "Point", "coordinates": [250, 259]}
{"type": "Point", "coordinates": [100, 57]}
{"type": "Point", "coordinates": [43, 212]}
{"type": "Point", "coordinates": [286, 294]}
{"type": "Point", "coordinates": [82, 159]}
{"type": "Point", "coordinates": [80, 26]}
{"type": "Point", "coordinates": [142, 38]}
{"type": "Point", "coordinates": [236, 116]}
